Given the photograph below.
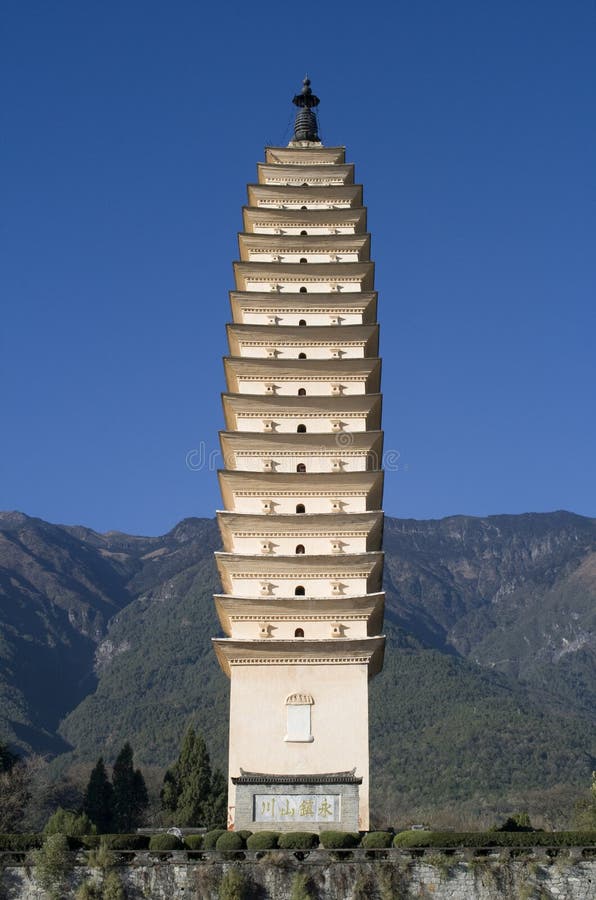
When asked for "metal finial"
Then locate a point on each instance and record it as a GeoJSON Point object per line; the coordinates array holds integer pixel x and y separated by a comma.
{"type": "Point", "coordinates": [305, 126]}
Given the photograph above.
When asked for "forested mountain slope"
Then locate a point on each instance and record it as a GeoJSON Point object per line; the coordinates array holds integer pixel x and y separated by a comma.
{"type": "Point", "coordinates": [489, 686]}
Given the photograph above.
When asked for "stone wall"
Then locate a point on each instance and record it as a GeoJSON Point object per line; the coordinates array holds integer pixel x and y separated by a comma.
{"type": "Point", "coordinates": [392, 875]}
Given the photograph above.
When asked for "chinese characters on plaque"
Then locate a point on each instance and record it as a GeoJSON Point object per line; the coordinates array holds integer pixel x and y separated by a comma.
{"type": "Point", "coordinates": [297, 808]}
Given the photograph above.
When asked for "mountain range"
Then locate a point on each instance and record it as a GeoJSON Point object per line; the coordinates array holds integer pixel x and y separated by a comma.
{"type": "Point", "coordinates": [487, 699]}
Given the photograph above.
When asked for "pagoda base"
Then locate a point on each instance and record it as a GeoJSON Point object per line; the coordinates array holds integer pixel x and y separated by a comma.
{"type": "Point", "coordinates": [297, 802]}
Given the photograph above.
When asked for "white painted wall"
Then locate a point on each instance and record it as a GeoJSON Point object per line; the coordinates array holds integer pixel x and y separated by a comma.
{"type": "Point", "coordinates": [309, 204]}
{"type": "Point", "coordinates": [250, 586]}
{"type": "Point", "coordinates": [282, 317]}
{"type": "Point", "coordinates": [298, 229]}
{"type": "Point", "coordinates": [287, 505]}
{"type": "Point", "coordinates": [287, 257]}
{"type": "Point", "coordinates": [286, 546]}
{"type": "Point", "coordinates": [314, 425]}
{"type": "Point", "coordinates": [313, 287]}
{"type": "Point", "coordinates": [290, 388]}
{"type": "Point", "coordinates": [258, 721]}
{"type": "Point", "coordinates": [285, 630]}
{"type": "Point", "coordinates": [301, 180]}
{"type": "Point", "coordinates": [314, 463]}
{"type": "Point", "coordinates": [313, 351]}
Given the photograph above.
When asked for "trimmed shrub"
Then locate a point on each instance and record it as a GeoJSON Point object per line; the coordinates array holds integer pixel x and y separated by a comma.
{"type": "Point", "coordinates": [339, 840]}
{"type": "Point", "coordinates": [298, 840]}
{"type": "Point", "coordinates": [164, 843]}
{"type": "Point", "coordinates": [229, 841]}
{"type": "Point", "coordinates": [377, 840]}
{"type": "Point", "coordinates": [263, 840]}
{"type": "Point", "coordinates": [194, 841]}
{"type": "Point", "coordinates": [21, 842]}
{"type": "Point", "coordinates": [244, 835]}
{"type": "Point", "coordinates": [210, 839]}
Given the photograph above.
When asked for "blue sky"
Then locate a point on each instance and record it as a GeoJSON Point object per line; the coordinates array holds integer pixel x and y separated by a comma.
{"type": "Point", "coordinates": [130, 130]}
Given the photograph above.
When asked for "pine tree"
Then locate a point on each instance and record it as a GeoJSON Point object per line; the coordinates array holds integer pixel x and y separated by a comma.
{"type": "Point", "coordinates": [98, 799]}
{"type": "Point", "coordinates": [187, 791]}
{"type": "Point", "coordinates": [217, 808]}
{"type": "Point", "coordinates": [130, 799]}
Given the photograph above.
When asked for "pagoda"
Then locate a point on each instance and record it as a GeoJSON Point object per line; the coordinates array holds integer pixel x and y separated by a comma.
{"type": "Point", "coordinates": [301, 566]}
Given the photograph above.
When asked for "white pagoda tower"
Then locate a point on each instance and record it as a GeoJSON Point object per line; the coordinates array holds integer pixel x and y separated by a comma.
{"type": "Point", "coordinates": [301, 568]}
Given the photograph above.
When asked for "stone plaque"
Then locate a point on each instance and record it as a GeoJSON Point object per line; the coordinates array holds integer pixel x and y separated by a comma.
{"type": "Point", "coordinates": [297, 808]}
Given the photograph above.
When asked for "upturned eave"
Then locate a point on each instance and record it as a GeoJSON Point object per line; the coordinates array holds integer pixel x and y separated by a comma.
{"type": "Point", "coordinates": [296, 174]}
{"type": "Point", "coordinates": [294, 243]}
{"type": "Point", "coordinates": [350, 369]}
{"type": "Point", "coordinates": [361, 273]}
{"type": "Point", "coordinates": [334, 651]}
{"type": "Point", "coordinates": [284, 336]}
{"type": "Point", "coordinates": [296, 196]}
{"type": "Point", "coordinates": [368, 607]}
{"type": "Point", "coordinates": [270, 485]}
{"type": "Point", "coordinates": [237, 525]}
{"type": "Point", "coordinates": [301, 566]}
{"type": "Point", "coordinates": [330, 303]}
{"type": "Point", "coordinates": [249, 443]}
{"type": "Point", "coordinates": [263, 216]}
{"type": "Point", "coordinates": [261, 406]}
{"type": "Point", "coordinates": [297, 155]}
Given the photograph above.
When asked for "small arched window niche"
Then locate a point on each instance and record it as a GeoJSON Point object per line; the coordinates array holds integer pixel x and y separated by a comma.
{"type": "Point", "coordinates": [299, 591]}
{"type": "Point", "coordinates": [301, 429]}
{"type": "Point", "coordinates": [301, 467]}
{"type": "Point", "coordinates": [298, 717]}
{"type": "Point", "coordinates": [299, 550]}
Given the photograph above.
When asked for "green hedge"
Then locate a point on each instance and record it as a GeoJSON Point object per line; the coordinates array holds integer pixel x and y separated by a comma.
{"type": "Point", "coordinates": [406, 839]}
{"type": "Point", "coordinates": [298, 840]}
{"type": "Point", "coordinates": [116, 841]}
{"type": "Point", "coordinates": [165, 843]}
{"type": "Point", "coordinates": [210, 839]}
{"type": "Point", "coordinates": [263, 840]}
{"type": "Point", "coordinates": [377, 840]}
{"type": "Point", "coordinates": [229, 841]}
{"type": "Point", "coordinates": [244, 835]}
{"type": "Point", "coordinates": [339, 840]}
{"type": "Point", "coordinates": [21, 842]}
{"type": "Point", "coordinates": [194, 841]}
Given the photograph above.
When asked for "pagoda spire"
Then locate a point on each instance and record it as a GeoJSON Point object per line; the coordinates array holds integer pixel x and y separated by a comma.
{"type": "Point", "coordinates": [305, 125]}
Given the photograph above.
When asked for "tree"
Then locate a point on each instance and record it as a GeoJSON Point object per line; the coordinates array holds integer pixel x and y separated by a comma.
{"type": "Point", "coordinates": [191, 792]}
{"type": "Point", "coordinates": [72, 824]}
{"type": "Point", "coordinates": [98, 799]}
{"type": "Point", "coordinates": [15, 789]}
{"type": "Point", "coordinates": [130, 799]}
{"type": "Point", "coordinates": [7, 759]}
{"type": "Point", "coordinates": [585, 810]}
